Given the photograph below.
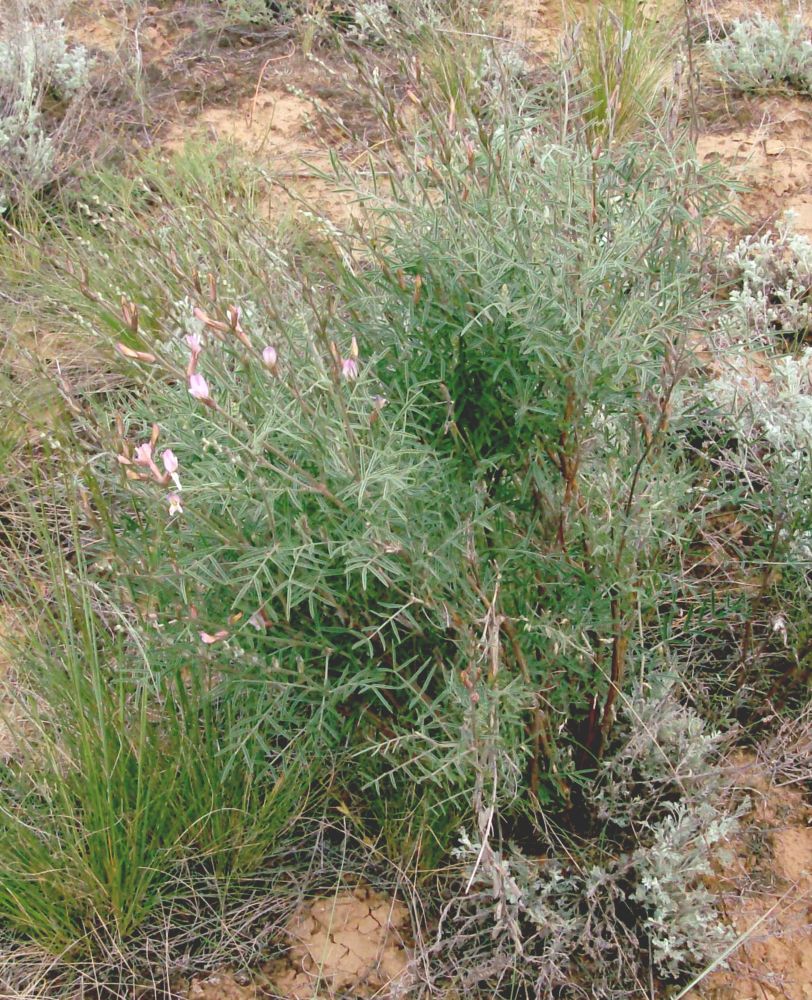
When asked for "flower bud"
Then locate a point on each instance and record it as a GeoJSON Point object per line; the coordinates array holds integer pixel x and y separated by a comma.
{"type": "Point", "coordinates": [270, 357]}
{"type": "Point", "coordinates": [128, 352]}
{"type": "Point", "coordinates": [208, 639]}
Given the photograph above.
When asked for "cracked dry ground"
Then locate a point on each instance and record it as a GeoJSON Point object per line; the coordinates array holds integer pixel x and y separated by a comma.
{"type": "Point", "coordinates": [350, 944]}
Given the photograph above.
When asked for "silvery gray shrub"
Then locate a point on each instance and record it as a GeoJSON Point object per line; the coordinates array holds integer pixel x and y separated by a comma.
{"type": "Point", "coordinates": [36, 63]}
{"type": "Point", "coordinates": [761, 55]}
{"type": "Point", "coordinates": [664, 802]}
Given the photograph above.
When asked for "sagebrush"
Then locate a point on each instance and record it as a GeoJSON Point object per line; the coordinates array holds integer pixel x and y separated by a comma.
{"type": "Point", "coordinates": [40, 75]}
{"type": "Point", "coordinates": [760, 55]}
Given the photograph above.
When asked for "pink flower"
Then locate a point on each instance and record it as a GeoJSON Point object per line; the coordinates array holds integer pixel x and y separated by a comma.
{"type": "Point", "coordinates": [143, 454]}
{"type": "Point", "coordinates": [174, 504]}
{"type": "Point", "coordinates": [269, 357]}
{"type": "Point", "coordinates": [199, 387]}
{"type": "Point", "coordinates": [257, 619]}
{"type": "Point", "coordinates": [209, 639]}
{"type": "Point", "coordinates": [349, 366]}
{"type": "Point", "coordinates": [171, 465]}
{"type": "Point", "coordinates": [194, 343]}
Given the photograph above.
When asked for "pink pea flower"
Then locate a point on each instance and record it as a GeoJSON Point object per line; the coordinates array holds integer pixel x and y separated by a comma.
{"type": "Point", "coordinates": [270, 357]}
{"type": "Point", "coordinates": [171, 465]}
{"type": "Point", "coordinates": [257, 619]}
{"type": "Point", "coordinates": [208, 639]}
{"type": "Point", "coordinates": [199, 387]}
{"type": "Point", "coordinates": [174, 504]}
{"type": "Point", "coordinates": [349, 366]}
{"type": "Point", "coordinates": [143, 455]}
{"type": "Point", "coordinates": [194, 343]}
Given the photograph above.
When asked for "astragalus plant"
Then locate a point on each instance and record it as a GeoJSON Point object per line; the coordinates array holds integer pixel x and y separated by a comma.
{"type": "Point", "coordinates": [449, 476]}
{"type": "Point", "coordinates": [424, 482]}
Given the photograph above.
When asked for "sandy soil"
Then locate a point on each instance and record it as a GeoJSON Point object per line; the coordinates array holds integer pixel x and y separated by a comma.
{"type": "Point", "coordinates": [274, 128]}
{"type": "Point", "coordinates": [536, 24]}
{"type": "Point", "coordinates": [774, 914]}
{"type": "Point", "coordinates": [772, 157]}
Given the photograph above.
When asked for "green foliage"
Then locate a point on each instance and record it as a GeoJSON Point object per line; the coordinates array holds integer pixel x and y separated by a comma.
{"type": "Point", "coordinates": [334, 522]}
{"type": "Point", "coordinates": [762, 56]}
{"type": "Point", "coordinates": [142, 776]}
{"type": "Point", "coordinates": [481, 512]}
{"type": "Point", "coordinates": [537, 295]}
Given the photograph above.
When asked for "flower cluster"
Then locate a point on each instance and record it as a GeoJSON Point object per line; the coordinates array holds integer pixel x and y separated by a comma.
{"type": "Point", "coordinates": [143, 458]}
